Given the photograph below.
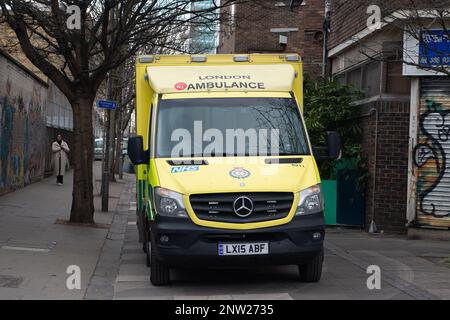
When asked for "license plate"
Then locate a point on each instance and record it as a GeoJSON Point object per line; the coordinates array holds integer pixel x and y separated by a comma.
{"type": "Point", "coordinates": [243, 249]}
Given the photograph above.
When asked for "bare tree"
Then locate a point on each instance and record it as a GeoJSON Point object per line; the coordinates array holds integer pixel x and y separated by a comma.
{"type": "Point", "coordinates": [75, 43]}
{"type": "Point", "coordinates": [126, 101]}
{"type": "Point", "coordinates": [415, 20]}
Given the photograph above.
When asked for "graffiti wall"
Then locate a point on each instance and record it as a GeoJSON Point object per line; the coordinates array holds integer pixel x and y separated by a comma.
{"type": "Point", "coordinates": [22, 126]}
{"type": "Point", "coordinates": [432, 154]}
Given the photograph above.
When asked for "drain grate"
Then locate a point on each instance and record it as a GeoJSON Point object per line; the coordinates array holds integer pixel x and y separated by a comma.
{"type": "Point", "coordinates": [10, 281]}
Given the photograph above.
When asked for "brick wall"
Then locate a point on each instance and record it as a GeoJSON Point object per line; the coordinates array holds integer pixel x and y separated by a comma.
{"type": "Point", "coordinates": [227, 35]}
{"type": "Point", "coordinates": [253, 24]}
{"type": "Point", "coordinates": [25, 139]}
{"type": "Point", "coordinates": [350, 17]}
{"type": "Point", "coordinates": [23, 100]}
{"type": "Point", "coordinates": [347, 19]}
{"type": "Point", "coordinates": [391, 165]}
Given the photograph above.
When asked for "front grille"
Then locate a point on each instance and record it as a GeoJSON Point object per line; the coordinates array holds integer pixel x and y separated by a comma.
{"type": "Point", "coordinates": [244, 237]}
{"type": "Point", "coordinates": [219, 206]}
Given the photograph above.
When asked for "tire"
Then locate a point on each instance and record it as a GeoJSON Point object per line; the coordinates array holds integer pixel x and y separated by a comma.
{"type": "Point", "coordinates": [145, 234]}
{"type": "Point", "coordinates": [144, 246]}
{"type": "Point", "coordinates": [146, 242]}
{"type": "Point", "coordinates": [311, 271]}
{"type": "Point", "coordinates": [159, 273]}
{"type": "Point", "coordinates": [147, 253]}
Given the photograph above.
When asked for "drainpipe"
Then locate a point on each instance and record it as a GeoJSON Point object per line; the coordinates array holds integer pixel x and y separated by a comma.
{"type": "Point", "coordinates": [373, 226]}
{"type": "Point", "coordinates": [326, 31]}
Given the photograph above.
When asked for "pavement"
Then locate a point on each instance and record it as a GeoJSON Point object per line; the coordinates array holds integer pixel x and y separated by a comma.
{"type": "Point", "coordinates": [410, 269]}
{"type": "Point", "coordinates": [35, 253]}
{"type": "Point", "coordinates": [35, 250]}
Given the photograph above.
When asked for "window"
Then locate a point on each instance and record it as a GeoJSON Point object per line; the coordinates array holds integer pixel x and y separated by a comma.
{"type": "Point", "coordinates": [371, 79]}
{"type": "Point", "coordinates": [261, 124]}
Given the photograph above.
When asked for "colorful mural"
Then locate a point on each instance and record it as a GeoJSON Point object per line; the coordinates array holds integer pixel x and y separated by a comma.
{"type": "Point", "coordinates": [22, 127]}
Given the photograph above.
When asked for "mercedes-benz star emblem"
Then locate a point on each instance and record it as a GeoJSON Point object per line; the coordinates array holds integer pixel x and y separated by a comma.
{"type": "Point", "coordinates": [243, 206]}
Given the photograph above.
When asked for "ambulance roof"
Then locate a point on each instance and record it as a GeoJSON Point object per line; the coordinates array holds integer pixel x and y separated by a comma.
{"type": "Point", "coordinates": [215, 78]}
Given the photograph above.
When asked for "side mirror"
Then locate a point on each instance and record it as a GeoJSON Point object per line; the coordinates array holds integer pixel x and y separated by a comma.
{"type": "Point", "coordinates": [334, 145]}
{"type": "Point", "coordinates": [333, 149]}
{"type": "Point", "coordinates": [136, 151]}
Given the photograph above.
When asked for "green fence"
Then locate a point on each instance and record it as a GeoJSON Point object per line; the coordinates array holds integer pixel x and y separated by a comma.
{"type": "Point", "coordinates": [344, 203]}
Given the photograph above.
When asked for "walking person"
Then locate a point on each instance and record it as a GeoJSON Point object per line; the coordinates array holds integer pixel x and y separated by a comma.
{"type": "Point", "coordinates": [60, 158]}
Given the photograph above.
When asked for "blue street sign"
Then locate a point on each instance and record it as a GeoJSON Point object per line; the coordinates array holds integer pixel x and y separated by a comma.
{"type": "Point", "coordinates": [105, 104]}
{"type": "Point", "coordinates": [435, 48]}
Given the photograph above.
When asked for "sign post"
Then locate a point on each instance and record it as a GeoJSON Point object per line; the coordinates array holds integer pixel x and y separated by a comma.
{"type": "Point", "coordinates": [109, 107]}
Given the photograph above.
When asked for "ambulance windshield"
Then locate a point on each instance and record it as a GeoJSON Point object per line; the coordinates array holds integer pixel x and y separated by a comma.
{"type": "Point", "coordinates": [229, 127]}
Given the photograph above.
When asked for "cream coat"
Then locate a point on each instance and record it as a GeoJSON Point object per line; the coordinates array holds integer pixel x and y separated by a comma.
{"type": "Point", "coordinates": [60, 152]}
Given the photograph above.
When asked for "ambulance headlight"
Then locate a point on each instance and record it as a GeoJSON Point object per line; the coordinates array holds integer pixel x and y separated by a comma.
{"type": "Point", "coordinates": [310, 201]}
{"type": "Point", "coordinates": [170, 203]}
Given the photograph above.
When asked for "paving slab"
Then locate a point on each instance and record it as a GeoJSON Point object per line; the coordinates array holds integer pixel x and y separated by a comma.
{"type": "Point", "coordinates": [36, 249]}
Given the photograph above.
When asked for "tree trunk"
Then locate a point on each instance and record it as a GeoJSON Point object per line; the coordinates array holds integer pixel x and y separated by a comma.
{"type": "Point", "coordinates": [82, 151]}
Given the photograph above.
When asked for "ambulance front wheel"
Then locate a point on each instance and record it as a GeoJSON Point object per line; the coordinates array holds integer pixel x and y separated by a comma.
{"type": "Point", "coordinates": [159, 273]}
{"type": "Point", "coordinates": [312, 270]}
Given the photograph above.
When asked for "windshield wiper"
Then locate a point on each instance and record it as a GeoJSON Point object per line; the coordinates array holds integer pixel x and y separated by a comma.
{"type": "Point", "coordinates": [281, 154]}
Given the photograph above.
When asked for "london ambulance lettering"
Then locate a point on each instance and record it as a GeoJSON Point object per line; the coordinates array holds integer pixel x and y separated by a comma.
{"type": "Point", "coordinates": [432, 156]}
{"type": "Point", "coordinates": [214, 82]}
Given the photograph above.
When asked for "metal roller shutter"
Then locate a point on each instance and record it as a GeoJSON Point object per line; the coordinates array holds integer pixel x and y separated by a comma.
{"type": "Point", "coordinates": [433, 153]}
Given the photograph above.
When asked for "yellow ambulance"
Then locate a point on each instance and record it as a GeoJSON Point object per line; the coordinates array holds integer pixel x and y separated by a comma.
{"type": "Point", "coordinates": [226, 174]}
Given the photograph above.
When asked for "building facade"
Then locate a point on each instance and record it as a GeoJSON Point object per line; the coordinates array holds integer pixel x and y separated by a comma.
{"type": "Point", "coordinates": [203, 36]}
{"type": "Point", "coordinates": [275, 27]}
{"type": "Point", "coordinates": [403, 114]}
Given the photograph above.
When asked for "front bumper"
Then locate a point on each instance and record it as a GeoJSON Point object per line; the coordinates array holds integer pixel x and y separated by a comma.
{"type": "Point", "coordinates": [188, 244]}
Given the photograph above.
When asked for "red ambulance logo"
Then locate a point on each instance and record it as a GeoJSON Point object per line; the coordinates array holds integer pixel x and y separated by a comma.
{"type": "Point", "coordinates": [180, 86]}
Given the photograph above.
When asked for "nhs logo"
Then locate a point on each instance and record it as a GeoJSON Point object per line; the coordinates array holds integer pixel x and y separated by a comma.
{"type": "Point", "coordinates": [184, 169]}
